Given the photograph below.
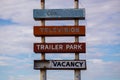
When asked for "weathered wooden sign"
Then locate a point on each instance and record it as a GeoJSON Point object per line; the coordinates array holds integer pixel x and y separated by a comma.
{"type": "Point", "coordinates": [60, 64]}
{"type": "Point", "coordinates": [59, 47]}
{"type": "Point", "coordinates": [59, 31]}
{"type": "Point", "coordinates": [59, 14]}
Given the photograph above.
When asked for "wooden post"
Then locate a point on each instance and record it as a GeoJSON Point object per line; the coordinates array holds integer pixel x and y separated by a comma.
{"type": "Point", "coordinates": [77, 73]}
{"type": "Point", "coordinates": [43, 72]}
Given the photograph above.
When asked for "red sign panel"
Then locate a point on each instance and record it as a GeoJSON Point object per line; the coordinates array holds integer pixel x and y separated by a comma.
{"type": "Point", "coordinates": [59, 47]}
{"type": "Point", "coordinates": [59, 31]}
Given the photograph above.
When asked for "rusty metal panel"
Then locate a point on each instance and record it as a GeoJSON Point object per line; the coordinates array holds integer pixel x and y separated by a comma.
{"type": "Point", "coordinates": [60, 64]}
{"type": "Point", "coordinates": [59, 31]}
{"type": "Point", "coordinates": [59, 47]}
{"type": "Point", "coordinates": [59, 14]}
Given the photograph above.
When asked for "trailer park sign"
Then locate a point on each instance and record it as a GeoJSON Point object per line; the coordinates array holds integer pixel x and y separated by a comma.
{"type": "Point", "coordinates": [59, 47]}
{"type": "Point", "coordinates": [49, 31]}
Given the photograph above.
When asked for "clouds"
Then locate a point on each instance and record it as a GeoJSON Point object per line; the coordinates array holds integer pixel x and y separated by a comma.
{"type": "Point", "coordinates": [102, 38]}
{"type": "Point", "coordinates": [17, 11]}
{"type": "Point", "coordinates": [24, 77]}
{"type": "Point", "coordinates": [102, 22]}
{"type": "Point", "coordinates": [99, 69]}
{"type": "Point", "coordinates": [15, 39]}
{"type": "Point", "coordinates": [2, 61]}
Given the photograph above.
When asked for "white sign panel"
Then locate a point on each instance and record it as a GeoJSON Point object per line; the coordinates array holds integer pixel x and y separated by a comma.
{"type": "Point", "coordinates": [60, 64]}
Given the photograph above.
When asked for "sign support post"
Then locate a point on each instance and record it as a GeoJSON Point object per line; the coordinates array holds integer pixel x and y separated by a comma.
{"type": "Point", "coordinates": [43, 72]}
{"type": "Point", "coordinates": [77, 73]}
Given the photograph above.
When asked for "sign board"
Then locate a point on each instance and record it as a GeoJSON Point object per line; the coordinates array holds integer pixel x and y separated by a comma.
{"type": "Point", "coordinates": [60, 64]}
{"type": "Point", "coordinates": [59, 31]}
{"type": "Point", "coordinates": [59, 47]}
{"type": "Point", "coordinates": [59, 14]}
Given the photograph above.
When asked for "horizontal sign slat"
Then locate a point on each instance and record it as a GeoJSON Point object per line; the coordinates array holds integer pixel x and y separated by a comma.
{"type": "Point", "coordinates": [59, 31]}
{"type": "Point", "coordinates": [60, 64]}
{"type": "Point", "coordinates": [59, 14]}
{"type": "Point", "coordinates": [59, 47]}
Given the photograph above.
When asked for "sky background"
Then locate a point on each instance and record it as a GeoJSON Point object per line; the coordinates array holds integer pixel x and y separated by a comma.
{"type": "Point", "coordinates": [102, 39]}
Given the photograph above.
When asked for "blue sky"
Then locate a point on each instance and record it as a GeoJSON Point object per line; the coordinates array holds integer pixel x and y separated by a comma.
{"type": "Point", "coordinates": [102, 38]}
